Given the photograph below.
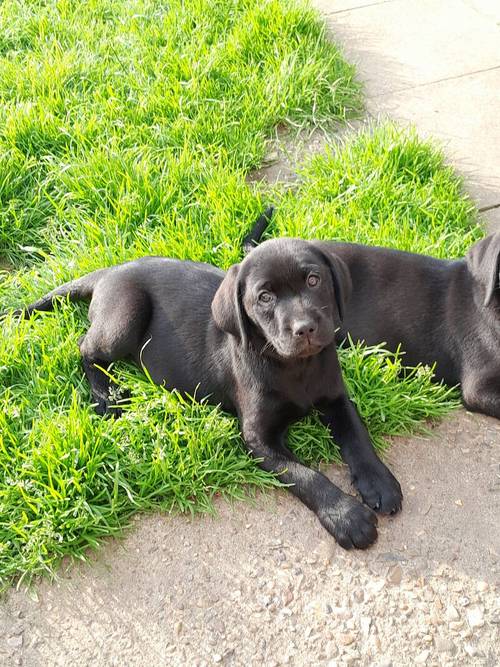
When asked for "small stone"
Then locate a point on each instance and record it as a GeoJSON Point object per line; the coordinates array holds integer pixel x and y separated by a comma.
{"type": "Point", "coordinates": [365, 623]}
{"type": "Point", "coordinates": [15, 641]}
{"type": "Point", "coordinates": [346, 638]}
{"type": "Point", "coordinates": [482, 586]}
{"type": "Point", "coordinates": [421, 658]}
{"type": "Point", "coordinates": [395, 575]}
{"type": "Point", "coordinates": [434, 618]}
{"type": "Point", "coordinates": [451, 613]}
{"type": "Point", "coordinates": [340, 612]}
{"type": "Point", "coordinates": [475, 617]}
{"type": "Point", "coordinates": [443, 645]}
{"type": "Point", "coordinates": [178, 628]}
{"type": "Point", "coordinates": [456, 626]}
{"type": "Point", "coordinates": [271, 157]}
{"type": "Point", "coordinates": [217, 657]}
{"type": "Point", "coordinates": [331, 650]}
{"type": "Point", "coordinates": [470, 649]}
{"type": "Point", "coordinates": [358, 595]}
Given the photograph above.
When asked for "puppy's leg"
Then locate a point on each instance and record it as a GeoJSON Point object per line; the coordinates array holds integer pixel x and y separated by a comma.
{"type": "Point", "coordinates": [374, 481]}
{"type": "Point", "coordinates": [101, 387]}
{"type": "Point", "coordinates": [119, 312]}
{"type": "Point", "coordinates": [481, 394]}
{"type": "Point", "coordinates": [350, 523]}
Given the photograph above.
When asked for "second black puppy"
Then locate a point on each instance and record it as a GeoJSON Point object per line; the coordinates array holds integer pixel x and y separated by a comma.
{"type": "Point", "coordinates": [443, 313]}
{"type": "Point", "coordinates": [260, 341]}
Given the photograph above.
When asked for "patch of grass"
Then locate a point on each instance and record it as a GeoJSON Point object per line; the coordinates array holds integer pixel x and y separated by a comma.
{"type": "Point", "coordinates": [96, 95]}
{"type": "Point", "coordinates": [128, 128]}
{"type": "Point", "coordinates": [383, 187]}
{"type": "Point", "coordinates": [392, 399]}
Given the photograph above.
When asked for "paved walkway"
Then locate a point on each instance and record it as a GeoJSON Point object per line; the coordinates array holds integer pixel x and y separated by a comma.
{"type": "Point", "coordinates": [436, 64]}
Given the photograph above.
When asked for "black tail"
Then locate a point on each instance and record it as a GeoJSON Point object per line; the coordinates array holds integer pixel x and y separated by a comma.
{"type": "Point", "coordinates": [260, 225]}
{"type": "Point", "coordinates": [79, 289]}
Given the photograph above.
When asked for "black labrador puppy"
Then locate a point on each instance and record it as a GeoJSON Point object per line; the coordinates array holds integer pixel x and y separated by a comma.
{"type": "Point", "coordinates": [258, 340]}
{"type": "Point", "coordinates": [445, 312]}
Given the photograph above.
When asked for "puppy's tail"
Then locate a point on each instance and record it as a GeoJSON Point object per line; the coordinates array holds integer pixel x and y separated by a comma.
{"type": "Point", "coordinates": [260, 225]}
{"type": "Point", "coordinates": [77, 290]}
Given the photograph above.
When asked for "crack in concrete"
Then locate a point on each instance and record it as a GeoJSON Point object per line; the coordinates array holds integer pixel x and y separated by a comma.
{"type": "Point", "coordinates": [483, 209]}
{"type": "Point", "coordinates": [431, 83]}
{"type": "Point", "coordinates": [353, 9]}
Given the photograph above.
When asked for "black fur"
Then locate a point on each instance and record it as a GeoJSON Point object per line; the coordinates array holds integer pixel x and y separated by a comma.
{"type": "Point", "coordinates": [443, 312]}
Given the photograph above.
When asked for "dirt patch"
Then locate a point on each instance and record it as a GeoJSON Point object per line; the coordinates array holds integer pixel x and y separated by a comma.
{"type": "Point", "coordinates": [290, 148]}
{"type": "Point", "coordinates": [263, 583]}
{"type": "Point", "coordinates": [5, 265]}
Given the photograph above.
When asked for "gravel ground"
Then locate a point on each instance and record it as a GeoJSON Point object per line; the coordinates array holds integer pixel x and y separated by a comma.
{"type": "Point", "coordinates": [263, 584]}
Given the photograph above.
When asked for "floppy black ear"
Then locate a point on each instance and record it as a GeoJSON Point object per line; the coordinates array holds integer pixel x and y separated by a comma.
{"type": "Point", "coordinates": [341, 278]}
{"type": "Point", "coordinates": [483, 262]}
{"type": "Point", "coordinates": [227, 306]}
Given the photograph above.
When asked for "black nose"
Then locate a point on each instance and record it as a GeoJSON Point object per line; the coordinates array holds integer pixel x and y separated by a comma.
{"type": "Point", "coordinates": [304, 328]}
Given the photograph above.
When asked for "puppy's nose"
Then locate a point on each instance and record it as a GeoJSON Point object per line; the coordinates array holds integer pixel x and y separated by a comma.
{"type": "Point", "coordinates": [304, 328]}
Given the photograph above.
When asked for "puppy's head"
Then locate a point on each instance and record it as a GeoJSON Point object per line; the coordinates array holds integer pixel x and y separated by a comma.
{"type": "Point", "coordinates": [483, 262]}
{"type": "Point", "coordinates": [286, 292]}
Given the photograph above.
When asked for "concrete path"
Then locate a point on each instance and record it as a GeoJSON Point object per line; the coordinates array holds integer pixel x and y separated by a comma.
{"type": "Point", "coordinates": [264, 584]}
{"type": "Point", "coordinates": [436, 64]}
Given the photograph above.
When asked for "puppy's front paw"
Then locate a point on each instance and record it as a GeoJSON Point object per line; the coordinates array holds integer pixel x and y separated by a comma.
{"type": "Point", "coordinates": [378, 487]}
{"type": "Point", "coordinates": [350, 523]}
{"type": "Point", "coordinates": [111, 405]}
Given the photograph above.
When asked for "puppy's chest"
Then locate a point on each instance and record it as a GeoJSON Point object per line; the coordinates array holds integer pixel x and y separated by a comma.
{"type": "Point", "coordinates": [302, 390]}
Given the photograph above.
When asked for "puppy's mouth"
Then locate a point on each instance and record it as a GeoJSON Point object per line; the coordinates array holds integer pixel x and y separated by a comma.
{"type": "Point", "coordinates": [310, 351]}
{"type": "Point", "coordinates": [307, 348]}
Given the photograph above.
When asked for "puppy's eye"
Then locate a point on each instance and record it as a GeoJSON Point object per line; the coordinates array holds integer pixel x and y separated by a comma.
{"type": "Point", "coordinates": [313, 280]}
{"type": "Point", "coordinates": [265, 297]}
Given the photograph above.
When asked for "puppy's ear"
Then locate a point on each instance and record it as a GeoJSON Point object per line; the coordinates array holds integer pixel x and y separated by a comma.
{"type": "Point", "coordinates": [227, 306]}
{"type": "Point", "coordinates": [342, 283]}
{"type": "Point", "coordinates": [483, 262]}
{"type": "Point", "coordinates": [341, 278]}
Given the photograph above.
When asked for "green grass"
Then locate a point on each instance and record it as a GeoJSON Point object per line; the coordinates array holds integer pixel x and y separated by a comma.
{"type": "Point", "coordinates": [383, 187]}
{"type": "Point", "coordinates": [106, 104]}
{"type": "Point", "coordinates": [128, 128]}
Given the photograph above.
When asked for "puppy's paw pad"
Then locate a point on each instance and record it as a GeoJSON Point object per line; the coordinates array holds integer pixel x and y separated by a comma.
{"type": "Point", "coordinates": [350, 523]}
